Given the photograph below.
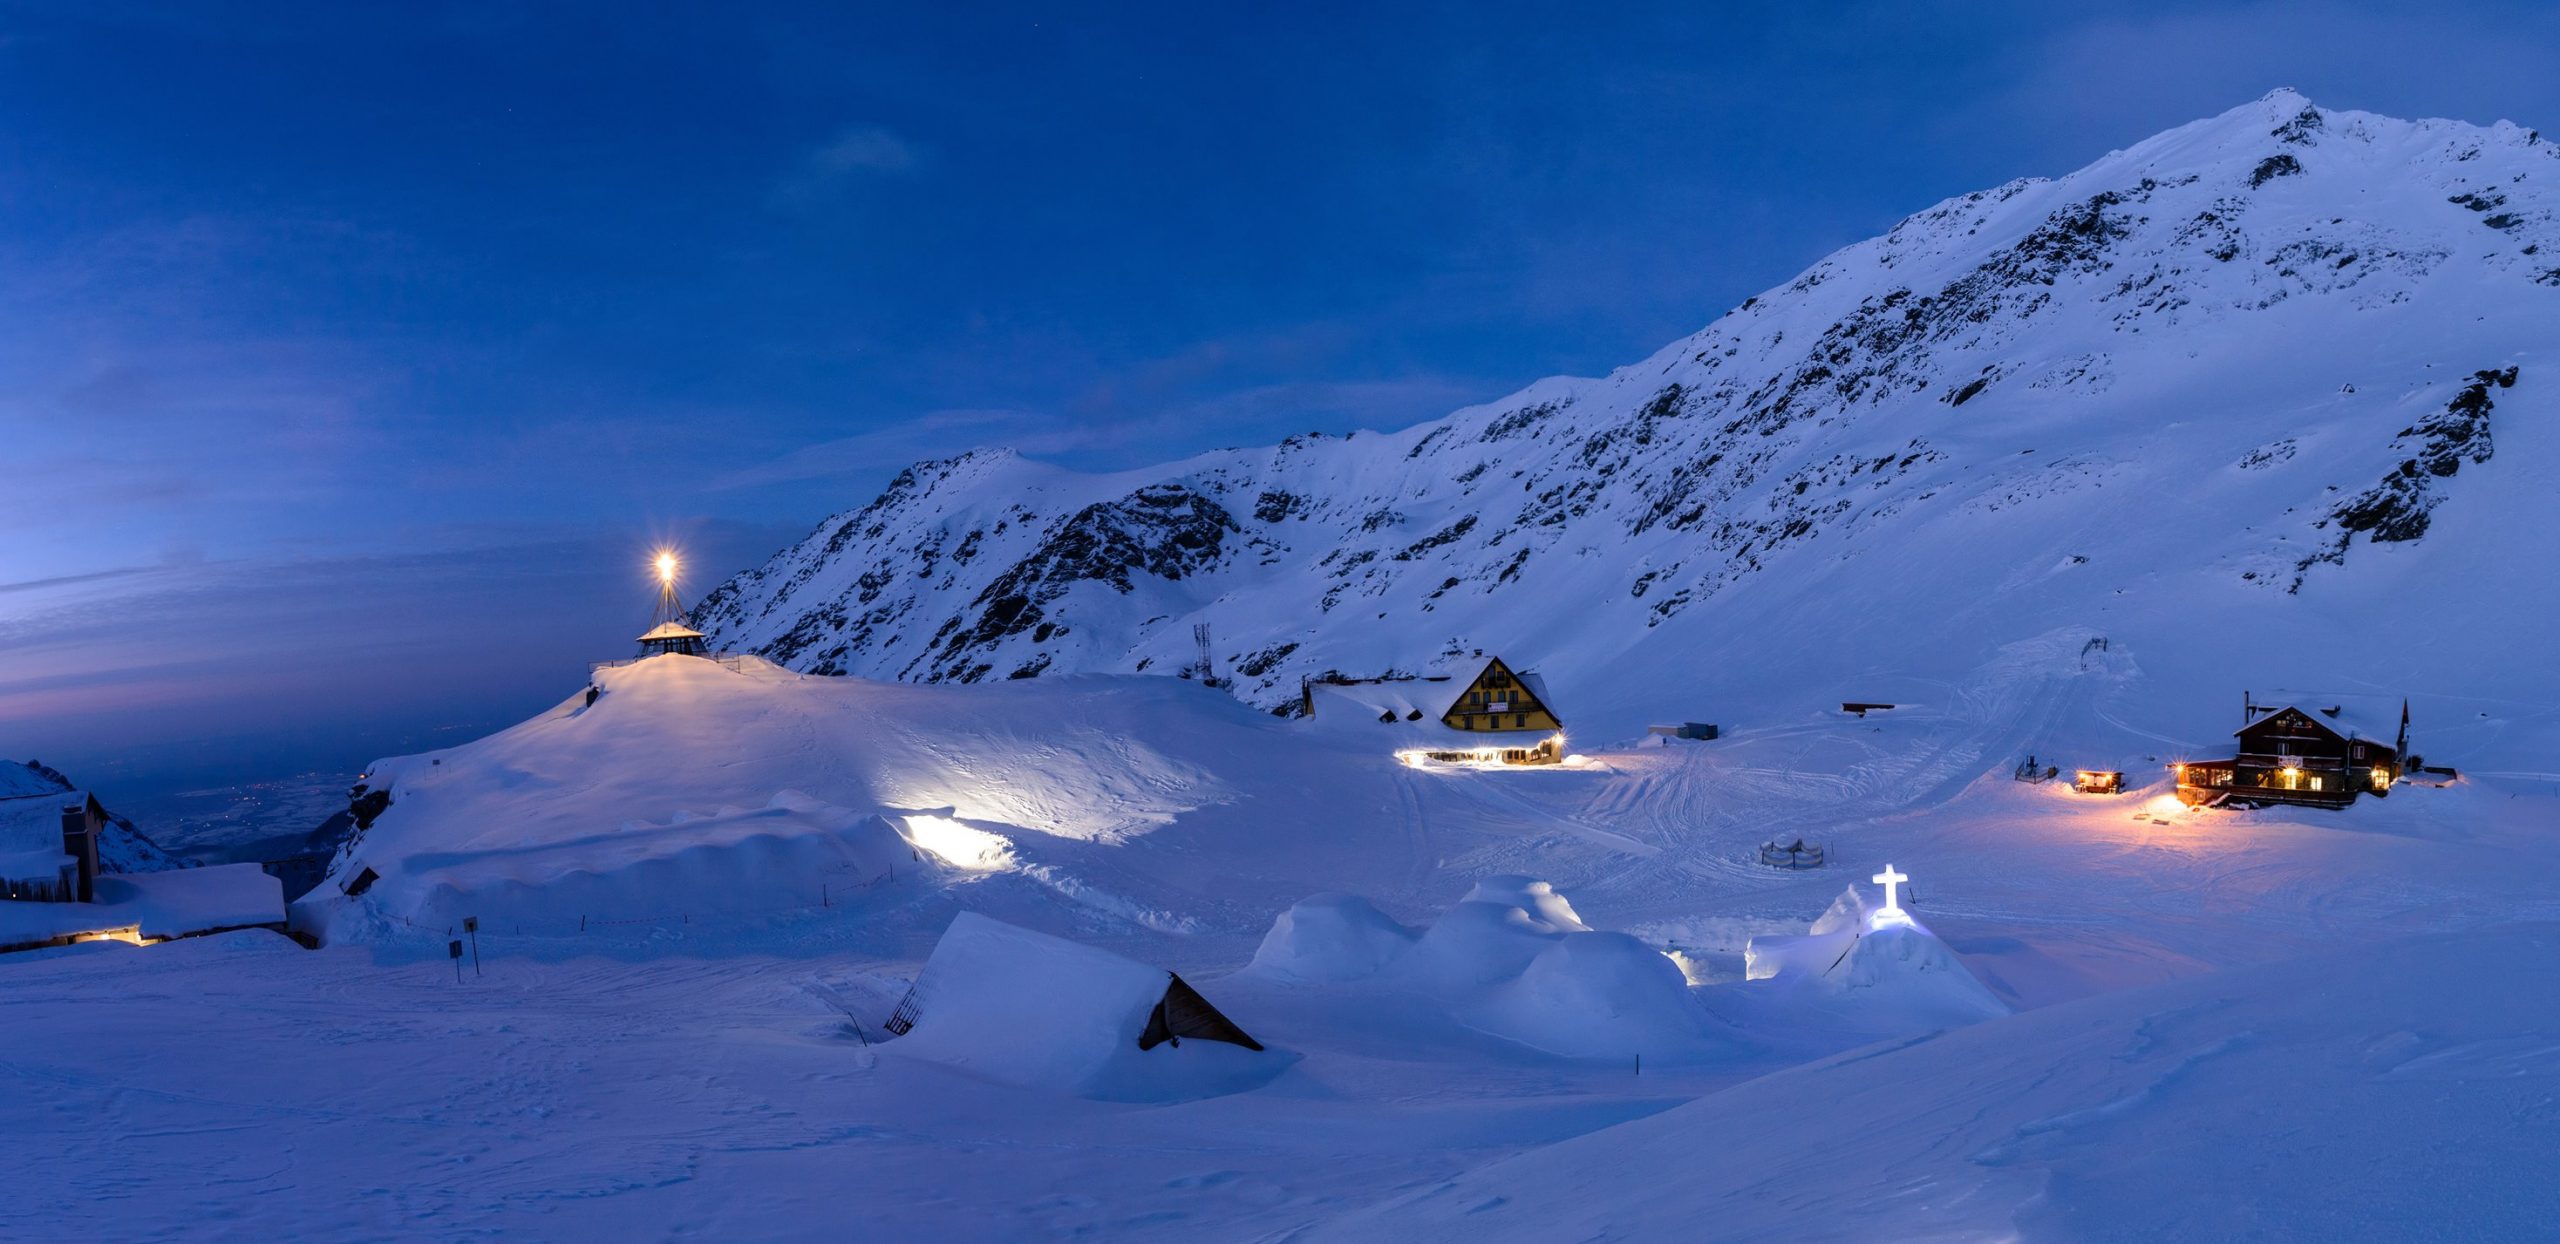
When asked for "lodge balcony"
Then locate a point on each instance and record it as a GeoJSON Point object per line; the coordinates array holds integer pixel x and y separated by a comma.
{"type": "Point", "coordinates": [2305, 780]}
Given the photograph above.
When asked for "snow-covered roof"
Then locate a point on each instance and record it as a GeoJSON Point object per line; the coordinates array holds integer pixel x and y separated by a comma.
{"type": "Point", "coordinates": [1422, 698]}
{"type": "Point", "coordinates": [175, 903]}
{"type": "Point", "coordinates": [1023, 1007]}
{"type": "Point", "coordinates": [670, 630]}
{"type": "Point", "coordinates": [1417, 705]}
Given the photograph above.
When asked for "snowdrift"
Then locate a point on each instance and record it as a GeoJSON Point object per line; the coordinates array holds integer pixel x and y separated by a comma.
{"type": "Point", "coordinates": [2248, 1104]}
{"type": "Point", "coordinates": [1329, 938]}
{"type": "Point", "coordinates": [1511, 959]}
{"type": "Point", "coordinates": [1024, 1008]}
{"type": "Point", "coordinates": [792, 852]}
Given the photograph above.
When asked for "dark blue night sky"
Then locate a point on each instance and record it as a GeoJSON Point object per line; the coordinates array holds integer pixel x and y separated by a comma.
{"type": "Point", "coordinates": [354, 355]}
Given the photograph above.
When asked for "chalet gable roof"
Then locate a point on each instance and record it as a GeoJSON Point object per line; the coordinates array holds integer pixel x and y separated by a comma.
{"type": "Point", "coordinates": [2341, 725]}
{"type": "Point", "coordinates": [1463, 677]}
{"type": "Point", "coordinates": [1418, 703]}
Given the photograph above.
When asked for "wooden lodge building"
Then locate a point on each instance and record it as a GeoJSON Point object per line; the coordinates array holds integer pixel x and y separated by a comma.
{"type": "Point", "coordinates": [1483, 712]}
{"type": "Point", "coordinates": [2290, 755]}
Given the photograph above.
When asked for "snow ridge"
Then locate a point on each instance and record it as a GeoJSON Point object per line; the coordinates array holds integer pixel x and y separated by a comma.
{"type": "Point", "coordinates": [2279, 287]}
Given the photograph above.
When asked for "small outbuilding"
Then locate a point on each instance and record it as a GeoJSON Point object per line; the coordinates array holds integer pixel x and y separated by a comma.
{"type": "Point", "coordinates": [2098, 782]}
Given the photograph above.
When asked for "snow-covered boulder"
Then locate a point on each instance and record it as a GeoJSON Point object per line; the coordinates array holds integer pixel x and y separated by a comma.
{"type": "Point", "coordinates": [1024, 1008]}
{"type": "Point", "coordinates": [1328, 938]}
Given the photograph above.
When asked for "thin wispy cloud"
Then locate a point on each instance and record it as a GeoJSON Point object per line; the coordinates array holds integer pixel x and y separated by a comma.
{"type": "Point", "coordinates": [853, 154]}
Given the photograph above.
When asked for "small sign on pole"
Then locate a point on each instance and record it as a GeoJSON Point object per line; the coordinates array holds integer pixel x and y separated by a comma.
{"type": "Point", "coordinates": [471, 925]}
{"type": "Point", "coordinates": [453, 951]}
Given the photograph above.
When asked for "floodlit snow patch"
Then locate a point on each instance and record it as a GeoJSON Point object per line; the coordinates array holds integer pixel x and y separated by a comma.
{"type": "Point", "coordinates": [958, 845]}
{"type": "Point", "coordinates": [1025, 1008]}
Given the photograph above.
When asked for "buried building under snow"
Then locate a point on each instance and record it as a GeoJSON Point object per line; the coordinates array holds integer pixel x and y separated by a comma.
{"type": "Point", "coordinates": [49, 846]}
{"type": "Point", "coordinates": [1481, 712]}
{"type": "Point", "coordinates": [2292, 755]}
{"type": "Point", "coordinates": [1026, 1008]}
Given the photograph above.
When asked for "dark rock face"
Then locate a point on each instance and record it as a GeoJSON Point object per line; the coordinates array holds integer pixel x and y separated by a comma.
{"type": "Point", "coordinates": [1165, 531]}
{"type": "Point", "coordinates": [2274, 166]}
{"type": "Point", "coordinates": [2399, 508]}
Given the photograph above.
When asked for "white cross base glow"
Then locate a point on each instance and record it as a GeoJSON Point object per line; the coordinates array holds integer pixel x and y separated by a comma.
{"type": "Point", "coordinates": [1891, 915]}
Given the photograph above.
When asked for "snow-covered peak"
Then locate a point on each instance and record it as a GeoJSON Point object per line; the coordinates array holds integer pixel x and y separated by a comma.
{"type": "Point", "coordinates": [2195, 367]}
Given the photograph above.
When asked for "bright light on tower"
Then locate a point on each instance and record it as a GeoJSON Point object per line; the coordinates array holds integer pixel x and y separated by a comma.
{"type": "Point", "coordinates": [666, 566]}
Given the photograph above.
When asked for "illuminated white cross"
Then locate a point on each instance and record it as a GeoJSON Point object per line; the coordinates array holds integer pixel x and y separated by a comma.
{"type": "Point", "coordinates": [1891, 914]}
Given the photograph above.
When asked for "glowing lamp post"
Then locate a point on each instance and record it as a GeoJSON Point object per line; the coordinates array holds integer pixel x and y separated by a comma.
{"type": "Point", "coordinates": [1891, 915]}
{"type": "Point", "coordinates": [671, 631]}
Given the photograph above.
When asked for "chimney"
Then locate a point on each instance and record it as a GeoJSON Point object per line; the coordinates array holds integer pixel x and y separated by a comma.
{"type": "Point", "coordinates": [80, 842]}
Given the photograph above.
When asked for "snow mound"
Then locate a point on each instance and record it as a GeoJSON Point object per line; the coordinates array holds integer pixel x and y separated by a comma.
{"type": "Point", "coordinates": [1595, 995]}
{"type": "Point", "coordinates": [794, 851]}
{"type": "Point", "coordinates": [1897, 978]}
{"type": "Point", "coordinates": [1535, 899]}
{"type": "Point", "coordinates": [1492, 935]}
{"type": "Point", "coordinates": [690, 786]}
{"type": "Point", "coordinates": [1330, 937]}
{"type": "Point", "coordinates": [1024, 1008]}
{"type": "Point", "coordinates": [1910, 970]}
{"type": "Point", "coordinates": [1511, 959]}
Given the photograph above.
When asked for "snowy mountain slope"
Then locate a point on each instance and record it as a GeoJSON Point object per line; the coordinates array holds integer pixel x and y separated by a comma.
{"type": "Point", "coordinates": [121, 849]}
{"type": "Point", "coordinates": [2251, 376]}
